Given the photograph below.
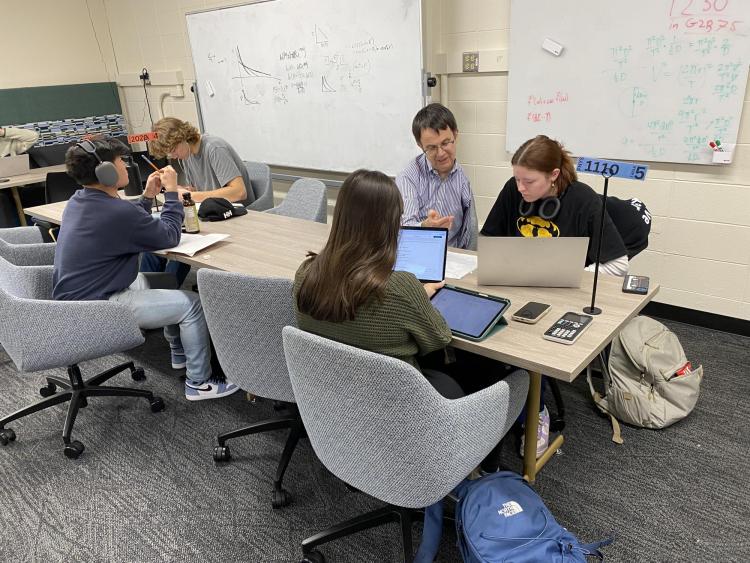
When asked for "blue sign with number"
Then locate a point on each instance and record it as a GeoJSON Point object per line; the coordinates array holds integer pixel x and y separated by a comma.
{"type": "Point", "coordinates": [611, 168]}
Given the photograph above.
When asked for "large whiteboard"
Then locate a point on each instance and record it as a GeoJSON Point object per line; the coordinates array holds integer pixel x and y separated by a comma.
{"type": "Point", "coordinates": [652, 80]}
{"type": "Point", "coordinates": [321, 84]}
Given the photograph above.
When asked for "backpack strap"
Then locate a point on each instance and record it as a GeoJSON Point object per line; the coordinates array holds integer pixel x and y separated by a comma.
{"type": "Point", "coordinates": [601, 403]}
{"type": "Point", "coordinates": [593, 547]}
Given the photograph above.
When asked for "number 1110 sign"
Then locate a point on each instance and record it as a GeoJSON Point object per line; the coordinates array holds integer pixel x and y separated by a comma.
{"type": "Point", "coordinates": [611, 168]}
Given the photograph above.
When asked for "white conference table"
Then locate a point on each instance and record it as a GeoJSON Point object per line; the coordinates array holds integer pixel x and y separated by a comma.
{"type": "Point", "coordinates": [33, 176]}
{"type": "Point", "coordinates": [262, 244]}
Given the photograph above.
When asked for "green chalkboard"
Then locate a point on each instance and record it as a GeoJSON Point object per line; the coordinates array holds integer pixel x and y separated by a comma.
{"type": "Point", "coordinates": [48, 103]}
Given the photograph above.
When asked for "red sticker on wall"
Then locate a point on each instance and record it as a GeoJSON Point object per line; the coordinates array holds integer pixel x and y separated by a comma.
{"type": "Point", "coordinates": [142, 137]}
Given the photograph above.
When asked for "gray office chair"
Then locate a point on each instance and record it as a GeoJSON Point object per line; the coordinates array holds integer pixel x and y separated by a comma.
{"type": "Point", "coordinates": [261, 184]}
{"type": "Point", "coordinates": [377, 424]}
{"type": "Point", "coordinates": [30, 254]}
{"type": "Point", "coordinates": [306, 199]}
{"type": "Point", "coordinates": [21, 235]}
{"type": "Point", "coordinates": [36, 334]}
{"type": "Point", "coordinates": [245, 316]}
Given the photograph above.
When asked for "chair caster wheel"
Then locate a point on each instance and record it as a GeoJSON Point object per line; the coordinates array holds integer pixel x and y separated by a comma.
{"type": "Point", "coordinates": [74, 449]}
{"type": "Point", "coordinates": [7, 435]}
{"type": "Point", "coordinates": [138, 374]}
{"type": "Point", "coordinates": [314, 557]}
{"type": "Point", "coordinates": [157, 404]}
{"type": "Point", "coordinates": [48, 390]}
{"type": "Point", "coordinates": [280, 498]}
{"type": "Point", "coordinates": [222, 453]}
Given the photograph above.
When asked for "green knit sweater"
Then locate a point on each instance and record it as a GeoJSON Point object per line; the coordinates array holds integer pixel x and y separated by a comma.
{"type": "Point", "coordinates": [402, 325]}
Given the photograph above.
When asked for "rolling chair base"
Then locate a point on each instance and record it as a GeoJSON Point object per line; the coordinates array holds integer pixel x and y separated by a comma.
{"type": "Point", "coordinates": [222, 453]}
{"type": "Point", "coordinates": [77, 391]}
{"type": "Point", "coordinates": [385, 515]}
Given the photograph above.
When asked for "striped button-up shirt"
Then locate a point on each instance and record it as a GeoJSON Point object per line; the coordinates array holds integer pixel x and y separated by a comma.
{"type": "Point", "coordinates": [423, 189]}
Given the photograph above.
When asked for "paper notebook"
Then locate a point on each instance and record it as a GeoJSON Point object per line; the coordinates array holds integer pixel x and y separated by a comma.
{"type": "Point", "coordinates": [191, 244]}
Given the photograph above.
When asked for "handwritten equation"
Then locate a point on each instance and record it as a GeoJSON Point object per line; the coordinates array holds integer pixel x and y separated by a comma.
{"type": "Point", "coordinates": [313, 66]}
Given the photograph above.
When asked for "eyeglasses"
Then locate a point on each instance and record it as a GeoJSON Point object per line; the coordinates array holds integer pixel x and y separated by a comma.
{"type": "Point", "coordinates": [431, 150]}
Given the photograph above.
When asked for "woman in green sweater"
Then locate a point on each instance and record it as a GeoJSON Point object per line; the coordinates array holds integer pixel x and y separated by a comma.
{"type": "Point", "coordinates": [350, 293]}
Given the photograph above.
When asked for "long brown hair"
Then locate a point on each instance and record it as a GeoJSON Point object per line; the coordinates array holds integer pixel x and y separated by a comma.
{"type": "Point", "coordinates": [544, 155]}
{"type": "Point", "coordinates": [358, 258]}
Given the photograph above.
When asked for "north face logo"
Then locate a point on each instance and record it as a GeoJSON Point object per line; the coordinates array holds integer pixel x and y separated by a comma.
{"type": "Point", "coordinates": [510, 508]}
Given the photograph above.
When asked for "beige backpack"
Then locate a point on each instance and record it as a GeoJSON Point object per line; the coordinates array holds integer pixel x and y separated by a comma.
{"type": "Point", "coordinates": [648, 381]}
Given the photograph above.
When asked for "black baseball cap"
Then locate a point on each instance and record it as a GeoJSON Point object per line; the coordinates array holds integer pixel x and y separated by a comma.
{"type": "Point", "coordinates": [218, 209]}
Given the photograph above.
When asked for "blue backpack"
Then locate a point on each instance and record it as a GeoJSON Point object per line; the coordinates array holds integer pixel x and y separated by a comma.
{"type": "Point", "coordinates": [500, 518]}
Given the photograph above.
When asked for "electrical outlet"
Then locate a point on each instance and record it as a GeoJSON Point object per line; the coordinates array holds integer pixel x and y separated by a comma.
{"type": "Point", "coordinates": [144, 76]}
{"type": "Point", "coordinates": [471, 62]}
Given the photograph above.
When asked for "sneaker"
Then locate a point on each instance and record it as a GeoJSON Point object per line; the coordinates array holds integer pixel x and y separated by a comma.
{"type": "Point", "coordinates": [210, 389]}
{"type": "Point", "coordinates": [178, 359]}
{"type": "Point", "coordinates": [542, 434]}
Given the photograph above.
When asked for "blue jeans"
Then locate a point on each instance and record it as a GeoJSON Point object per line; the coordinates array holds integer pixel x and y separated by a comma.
{"type": "Point", "coordinates": [155, 263]}
{"type": "Point", "coordinates": [181, 315]}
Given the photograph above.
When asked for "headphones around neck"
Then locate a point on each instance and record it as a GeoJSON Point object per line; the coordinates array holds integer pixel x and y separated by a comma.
{"type": "Point", "coordinates": [547, 208]}
{"type": "Point", "coordinates": [106, 172]}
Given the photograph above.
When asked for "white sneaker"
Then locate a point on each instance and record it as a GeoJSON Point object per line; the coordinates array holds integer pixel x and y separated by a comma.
{"type": "Point", "coordinates": [209, 390]}
{"type": "Point", "coordinates": [542, 434]}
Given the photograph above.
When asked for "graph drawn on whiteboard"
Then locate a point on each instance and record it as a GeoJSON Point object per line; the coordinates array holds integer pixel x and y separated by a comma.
{"type": "Point", "coordinates": [321, 38]}
{"type": "Point", "coordinates": [324, 86]}
{"type": "Point", "coordinates": [244, 71]}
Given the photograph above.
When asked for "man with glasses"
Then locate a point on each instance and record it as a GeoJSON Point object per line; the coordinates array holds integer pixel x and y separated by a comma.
{"type": "Point", "coordinates": [435, 190]}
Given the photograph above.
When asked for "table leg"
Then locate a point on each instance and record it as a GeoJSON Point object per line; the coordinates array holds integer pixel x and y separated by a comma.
{"type": "Point", "coordinates": [532, 465]}
{"type": "Point", "coordinates": [19, 206]}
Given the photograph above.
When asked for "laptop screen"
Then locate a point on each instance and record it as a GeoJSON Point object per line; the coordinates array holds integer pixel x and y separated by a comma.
{"type": "Point", "coordinates": [422, 251]}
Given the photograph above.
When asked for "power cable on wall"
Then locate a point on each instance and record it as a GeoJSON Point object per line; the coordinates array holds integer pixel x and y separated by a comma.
{"type": "Point", "coordinates": [144, 78]}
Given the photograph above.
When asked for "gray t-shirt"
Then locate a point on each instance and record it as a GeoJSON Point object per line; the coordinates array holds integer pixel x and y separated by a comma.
{"type": "Point", "coordinates": [215, 165]}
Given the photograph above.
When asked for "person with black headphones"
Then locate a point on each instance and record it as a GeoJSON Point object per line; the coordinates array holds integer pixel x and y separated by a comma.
{"type": "Point", "coordinates": [545, 199]}
{"type": "Point", "coordinates": [96, 258]}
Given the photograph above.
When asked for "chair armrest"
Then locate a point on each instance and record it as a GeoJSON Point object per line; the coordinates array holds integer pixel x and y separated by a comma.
{"type": "Point", "coordinates": [39, 254]}
{"type": "Point", "coordinates": [483, 418]}
{"type": "Point", "coordinates": [21, 235]}
{"type": "Point", "coordinates": [49, 334]}
{"type": "Point", "coordinates": [28, 282]}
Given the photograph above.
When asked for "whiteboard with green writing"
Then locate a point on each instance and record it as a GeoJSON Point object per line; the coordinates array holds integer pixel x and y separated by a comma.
{"type": "Point", "coordinates": [650, 80]}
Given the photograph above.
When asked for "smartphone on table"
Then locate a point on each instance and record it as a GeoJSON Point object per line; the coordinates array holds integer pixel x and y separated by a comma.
{"type": "Point", "coordinates": [635, 284]}
{"type": "Point", "coordinates": [531, 312]}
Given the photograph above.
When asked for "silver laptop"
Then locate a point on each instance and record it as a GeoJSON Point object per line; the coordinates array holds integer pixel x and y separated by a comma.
{"type": "Point", "coordinates": [538, 262]}
{"type": "Point", "coordinates": [14, 165]}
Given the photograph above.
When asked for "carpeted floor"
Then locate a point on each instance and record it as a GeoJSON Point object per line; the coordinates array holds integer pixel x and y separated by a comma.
{"type": "Point", "coordinates": [146, 488]}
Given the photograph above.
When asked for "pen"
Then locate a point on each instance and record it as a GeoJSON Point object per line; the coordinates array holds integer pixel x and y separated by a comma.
{"type": "Point", "coordinates": [718, 146]}
{"type": "Point", "coordinates": [713, 146]}
{"type": "Point", "coordinates": [151, 164]}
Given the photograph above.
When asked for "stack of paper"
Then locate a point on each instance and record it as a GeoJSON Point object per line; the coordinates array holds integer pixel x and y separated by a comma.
{"type": "Point", "coordinates": [458, 265]}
